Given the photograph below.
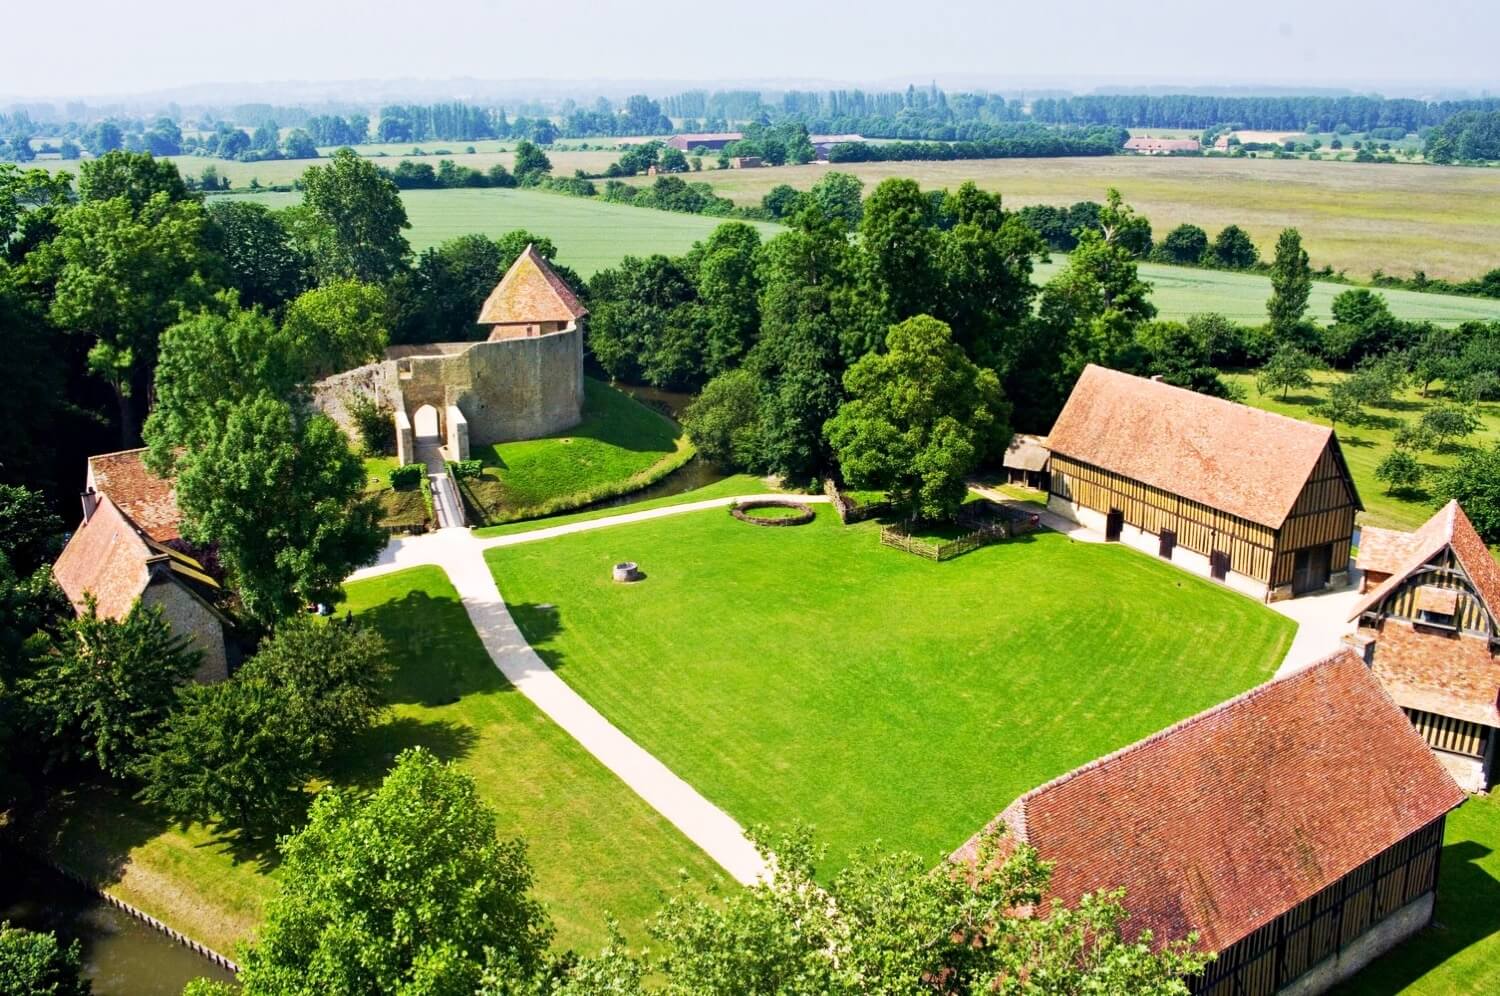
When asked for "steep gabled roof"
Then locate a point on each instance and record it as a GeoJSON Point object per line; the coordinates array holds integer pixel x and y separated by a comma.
{"type": "Point", "coordinates": [531, 291]}
{"type": "Point", "coordinates": [1231, 457]}
{"type": "Point", "coordinates": [1230, 818]}
{"type": "Point", "coordinates": [112, 558]}
{"type": "Point", "coordinates": [1450, 527]}
{"type": "Point", "coordinates": [1384, 551]}
{"type": "Point", "coordinates": [149, 500]}
{"type": "Point", "coordinates": [1026, 452]}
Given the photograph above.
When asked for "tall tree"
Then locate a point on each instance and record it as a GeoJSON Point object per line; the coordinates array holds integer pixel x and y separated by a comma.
{"type": "Point", "coordinates": [1096, 304]}
{"type": "Point", "coordinates": [399, 892]}
{"type": "Point", "coordinates": [898, 234]}
{"type": "Point", "coordinates": [728, 287]}
{"type": "Point", "coordinates": [1474, 482]}
{"type": "Point", "coordinates": [123, 276]}
{"type": "Point", "coordinates": [838, 196]}
{"type": "Point", "coordinates": [336, 327]}
{"type": "Point", "coordinates": [919, 418]}
{"type": "Point", "coordinates": [1291, 283]}
{"type": "Point", "coordinates": [135, 176]}
{"type": "Point", "coordinates": [260, 258]}
{"type": "Point", "coordinates": [351, 220]}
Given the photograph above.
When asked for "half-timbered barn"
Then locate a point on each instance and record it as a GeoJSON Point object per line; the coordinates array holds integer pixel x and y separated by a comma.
{"type": "Point", "coordinates": [1255, 499]}
{"type": "Point", "coordinates": [1025, 461]}
{"type": "Point", "coordinates": [1296, 829]}
{"type": "Point", "coordinates": [1429, 627]}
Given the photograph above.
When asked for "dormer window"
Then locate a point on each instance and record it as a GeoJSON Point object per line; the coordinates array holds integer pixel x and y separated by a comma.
{"type": "Point", "coordinates": [1437, 606]}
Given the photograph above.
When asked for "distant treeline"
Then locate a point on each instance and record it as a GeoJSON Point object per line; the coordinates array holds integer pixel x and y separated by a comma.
{"type": "Point", "coordinates": [1268, 113]}
{"type": "Point", "coordinates": [1473, 136]}
{"type": "Point", "coordinates": [1009, 141]}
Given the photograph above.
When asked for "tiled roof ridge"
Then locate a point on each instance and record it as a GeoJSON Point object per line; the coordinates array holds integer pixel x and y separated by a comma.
{"type": "Point", "coordinates": [1223, 404]}
{"type": "Point", "coordinates": [1446, 521]}
{"type": "Point", "coordinates": [1186, 723]}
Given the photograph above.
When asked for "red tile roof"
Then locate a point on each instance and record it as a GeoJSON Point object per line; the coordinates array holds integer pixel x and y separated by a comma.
{"type": "Point", "coordinates": [531, 291]}
{"type": "Point", "coordinates": [1242, 460]}
{"type": "Point", "coordinates": [1230, 818]}
{"type": "Point", "coordinates": [1450, 527]}
{"type": "Point", "coordinates": [111, 558]}
{"type": "Point", "coordinates": [150, 501]}
{"type": "Point", "coordinates": [1384, 550]}
{"type": "Point", "coordinates": [1146, 143]}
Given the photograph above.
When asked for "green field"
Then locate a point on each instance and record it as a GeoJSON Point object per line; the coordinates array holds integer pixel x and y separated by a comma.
{"type": "Point", "coordinates": [620, 446]}
{"type": "Point", "coordinates": [811, 674]}
{"type": "Point", "coordinates": [1356, 217]}
{"type": "Point", "coordinates": [596, 847]}
{"type": "Point", "coordinates": [1460, 954]}
{"type": "Point", "coordinates": [590, 234]}
{"type": "Point", "coordinates": [1366, 445]}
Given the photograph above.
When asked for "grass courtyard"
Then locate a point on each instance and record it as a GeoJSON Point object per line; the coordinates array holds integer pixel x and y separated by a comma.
{"type": "Point", "coordinates": [811, 674]}
{"type": "Point", "coordinates": [596, 847]}
{"type": "Point", "coordinates": [1367, 444]}
{"type": "Point", "coordinates": [620, 446]}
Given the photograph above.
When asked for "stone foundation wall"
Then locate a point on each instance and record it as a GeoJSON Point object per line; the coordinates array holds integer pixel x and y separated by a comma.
{"type": "Point", "coordinates": [1364, 949]}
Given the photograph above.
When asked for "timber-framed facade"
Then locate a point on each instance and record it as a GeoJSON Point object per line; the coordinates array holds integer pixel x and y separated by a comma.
{"type": "Point", "coordinates": [1257, 500]}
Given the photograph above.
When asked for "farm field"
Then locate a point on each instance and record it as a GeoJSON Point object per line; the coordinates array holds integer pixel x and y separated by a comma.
{"type": "Point", "coordinates": [811, 674]}
{"type": "Point", "coordinates": [620, 446]}
{"type": "Point", "coordinates": [590, 234]}
{"type": "Point", "coordinates": [1366, 445]}
{"type": "Point", "coordinates": [1460, 954]}
{"type": "Point", "coordinates": [596, 847]}
{"type": "Point", "coordinates": [1356, 217]}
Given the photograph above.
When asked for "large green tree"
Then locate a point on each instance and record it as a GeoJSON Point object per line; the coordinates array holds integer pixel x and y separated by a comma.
{"type": "Point", "coordinates": [1474, 482]}
{"type": "Point", "coordinates": [33, 963]}
{"type": "Point", "coordinates": [898, 233]}
{"type": "Point", "coordinates": [839, 196]}
{"type": "Point", "coordinates": [1096, 304]}
{"type": "Point", "coordinates": [728, 286]}
{"type": "Point", "coordinates": [402, 891]}
{"type": "Point", "coordinates": [135, 176]}
{"type": "Point", "coordinates": [1291, 283]}
{"type": "Point", "coordinates": [919, 418]}
{"type": "Point", "coordinates": [108, 685]}
{"type": "Point", "coordinates": [260, 258]}
{"type": "Point", "coordinates": [351, 220]}
{"type": "Point", "coordinates": [646, 323]}
{"type": "Point", "coordinates": [336, 327]}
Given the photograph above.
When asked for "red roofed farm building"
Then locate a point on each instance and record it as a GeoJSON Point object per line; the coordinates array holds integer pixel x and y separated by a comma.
{"type": "Point", "coordinates": [1429, 627]}
{"type": "Point", "coordinates": [1296, 828]}
{"type": "Point", "coordinates": [1258, 500]}
{"type": "Point", "coordinates": [1146, 145]}
{"type": "Point", "coordinates": [525, 380]}
{"type": "Point", "coordinates": [713, 141]}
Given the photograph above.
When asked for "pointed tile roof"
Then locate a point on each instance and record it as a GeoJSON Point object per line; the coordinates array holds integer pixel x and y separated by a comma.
{"type": "Point", "coordinates": [112, 558]}
{"type": "Point", "coordinates": [1237, 459]}
{"type": "Point", "coordinates": [149, 500]}
{"type": "Point", "coordinates": [1450, 527]}
{"type": "Point", "coordinates": [531, 291]}
{"type": "Point", "coordinates": [1232, 817]}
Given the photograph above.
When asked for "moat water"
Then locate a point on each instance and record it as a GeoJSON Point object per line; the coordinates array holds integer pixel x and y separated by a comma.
{"type": "Point", "coordinates": [122, 956]}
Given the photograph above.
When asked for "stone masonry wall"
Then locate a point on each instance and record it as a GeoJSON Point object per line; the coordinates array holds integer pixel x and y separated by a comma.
{"type": "Point", "coordinates": [190, 618]}
{"type": "Point", "coordinates": [378, 380]}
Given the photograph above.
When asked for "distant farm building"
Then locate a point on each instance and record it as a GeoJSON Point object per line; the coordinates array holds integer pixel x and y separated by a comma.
{"type": "Point", "coordinates": [822, 143]}
{"type": "Point", "coordinates": [1148, 146]}
{"type": "Point", "coordinates": [1296, 828]}
{"type": "Point", "coordinates": [1258, 500]}
{"type": "Point", "coordinates": [713, 141]}
{"type": "Point", "coordinates": [745, 162]}
{"type": "Point", "coordinates": [1026, 460]}
{"type": "Point", "coordinates": [1429, 626]}
{"type": "Point", "coordinates": [524, 381]}
{"type": "Point", "coordinates": [114, 561]}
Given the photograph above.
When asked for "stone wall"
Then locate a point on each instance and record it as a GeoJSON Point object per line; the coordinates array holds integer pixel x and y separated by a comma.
{"type": "Point", "coordinates": [190, 618]}
{"type": "Point", "coordinates": [378, 380]}
{"type": "Point", "coordinates": [1364, 949]}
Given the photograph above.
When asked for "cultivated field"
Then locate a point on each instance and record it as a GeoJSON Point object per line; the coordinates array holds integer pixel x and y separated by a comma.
{"type": "Point", "coordinates": [590, 234]}
{"type": "Point", "coordinates": [1356, 217]}
{"type": "Point", "coordinates": [809, 673]}
{"type": "Point", "coordinates": [1367, 444]}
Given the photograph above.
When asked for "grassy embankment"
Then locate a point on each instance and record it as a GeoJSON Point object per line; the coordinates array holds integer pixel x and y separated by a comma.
{"type": "Point", "coordinates": [1367, 444]}
{"type": "Point", "coordinates": [810, 674]}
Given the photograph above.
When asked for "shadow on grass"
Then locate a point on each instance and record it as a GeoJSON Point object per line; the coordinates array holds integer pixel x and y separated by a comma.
{"type": "Point", "coordinates": [1468, 913]}
{"type": "Point", "coordinates": [367, 760]}
{"type": "Point", "coordinates": [540, 622]}
{"type": "Point", "coordinates": [437, 654]}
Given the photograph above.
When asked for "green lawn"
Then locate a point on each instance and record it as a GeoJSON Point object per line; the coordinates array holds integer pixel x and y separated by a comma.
{"type": "Point", "coordinates": [1460, 954]}
{"type": "Point", "coordinates": [402, 509]}
{"type": "Point", "coordinates": [590, 234]}
{"type": "Point", "coordinates": [1366, 445]}
{"type": "Point", "coordinates": [812, 674]}
{"type": "Point", "coordinates": [620, 446]}
{"type": "Point", "coordinates": [596, 847]}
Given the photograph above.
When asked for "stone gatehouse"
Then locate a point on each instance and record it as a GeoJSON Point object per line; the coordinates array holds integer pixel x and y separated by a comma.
{"type": "Point", "coordinates": [524, 381]}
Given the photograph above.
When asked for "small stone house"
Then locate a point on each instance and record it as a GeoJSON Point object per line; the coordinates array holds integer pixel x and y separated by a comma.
{"type": "Point", "coordinates": [1262, 502]}
{"type": "Point", "coordinates": [116, 562]}
{"type": "Point", "coordinates": [150, 501]}
{"type": "Point", "coordinates": [1296, 828]}
{"type": "Point", "coordinates": [1429, 628]}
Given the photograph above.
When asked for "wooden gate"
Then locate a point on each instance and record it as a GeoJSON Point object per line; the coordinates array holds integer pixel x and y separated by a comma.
{"type": "Point", "coordinates": [1218, 565]}
{"type": "Point", "coordinates": [1113, 524]}
{"type": "Point", "coordinates": [1168, 544]}
{"type": "Point", "coordinates": [1310, 570]}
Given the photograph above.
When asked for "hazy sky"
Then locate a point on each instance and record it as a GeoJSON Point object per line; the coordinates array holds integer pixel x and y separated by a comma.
{"type": "Point", "coordinates": [129, 46]}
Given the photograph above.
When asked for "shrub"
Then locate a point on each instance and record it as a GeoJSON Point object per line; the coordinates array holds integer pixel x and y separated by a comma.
{"type": "Point", "coordinates": [374, 424]}
{"type": "Point", "coordinates": [408, 476]}
{"type": "Point", "coordinates": [1400, 471]}
{"type": "Point", "coordinates": [462, 469]}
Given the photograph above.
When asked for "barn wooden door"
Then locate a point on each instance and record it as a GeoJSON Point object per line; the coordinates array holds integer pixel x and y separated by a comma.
{"type": "Point", "coordinates": [1168, 543]}
{"type": "Point", "coordinates": [1113, 524]}
{"type": "Point", "coordinates": [1310, 570]}
{"type": "Point", "coordinates": [1218, 565]}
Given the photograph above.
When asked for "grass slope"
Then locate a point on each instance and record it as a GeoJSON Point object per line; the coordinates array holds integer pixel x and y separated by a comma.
{"type": "Point", "coordinates": [736, 484]}
{"type": "Point", "coordinates": [811, 674]}
{"type": "Point", "coordinates": [590, 234]}
{"type": "Point", "coordinates": [1353, 216]}
{"type": "Point", "coordinates": [1366, 445]}
{"type": "Point", "coordinates": [620, 446]}
{"type": "Point", "coordinates": [1460, 954]}
{"type": "Point", "coordinates": [595, 846]}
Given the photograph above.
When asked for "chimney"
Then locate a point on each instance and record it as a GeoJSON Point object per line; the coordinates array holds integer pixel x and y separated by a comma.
{"type": "Point", "coordinates": [1156, 378]}
{"type": "Point", "coordinates": [90, 502]}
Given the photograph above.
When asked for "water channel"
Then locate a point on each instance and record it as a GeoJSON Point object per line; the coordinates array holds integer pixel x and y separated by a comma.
{"type": "Point", "coordinates": [122, 955]}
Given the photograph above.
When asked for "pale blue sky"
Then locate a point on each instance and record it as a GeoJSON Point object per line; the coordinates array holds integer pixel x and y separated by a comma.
{"type": "Point", "coordinates": [128, 46]}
